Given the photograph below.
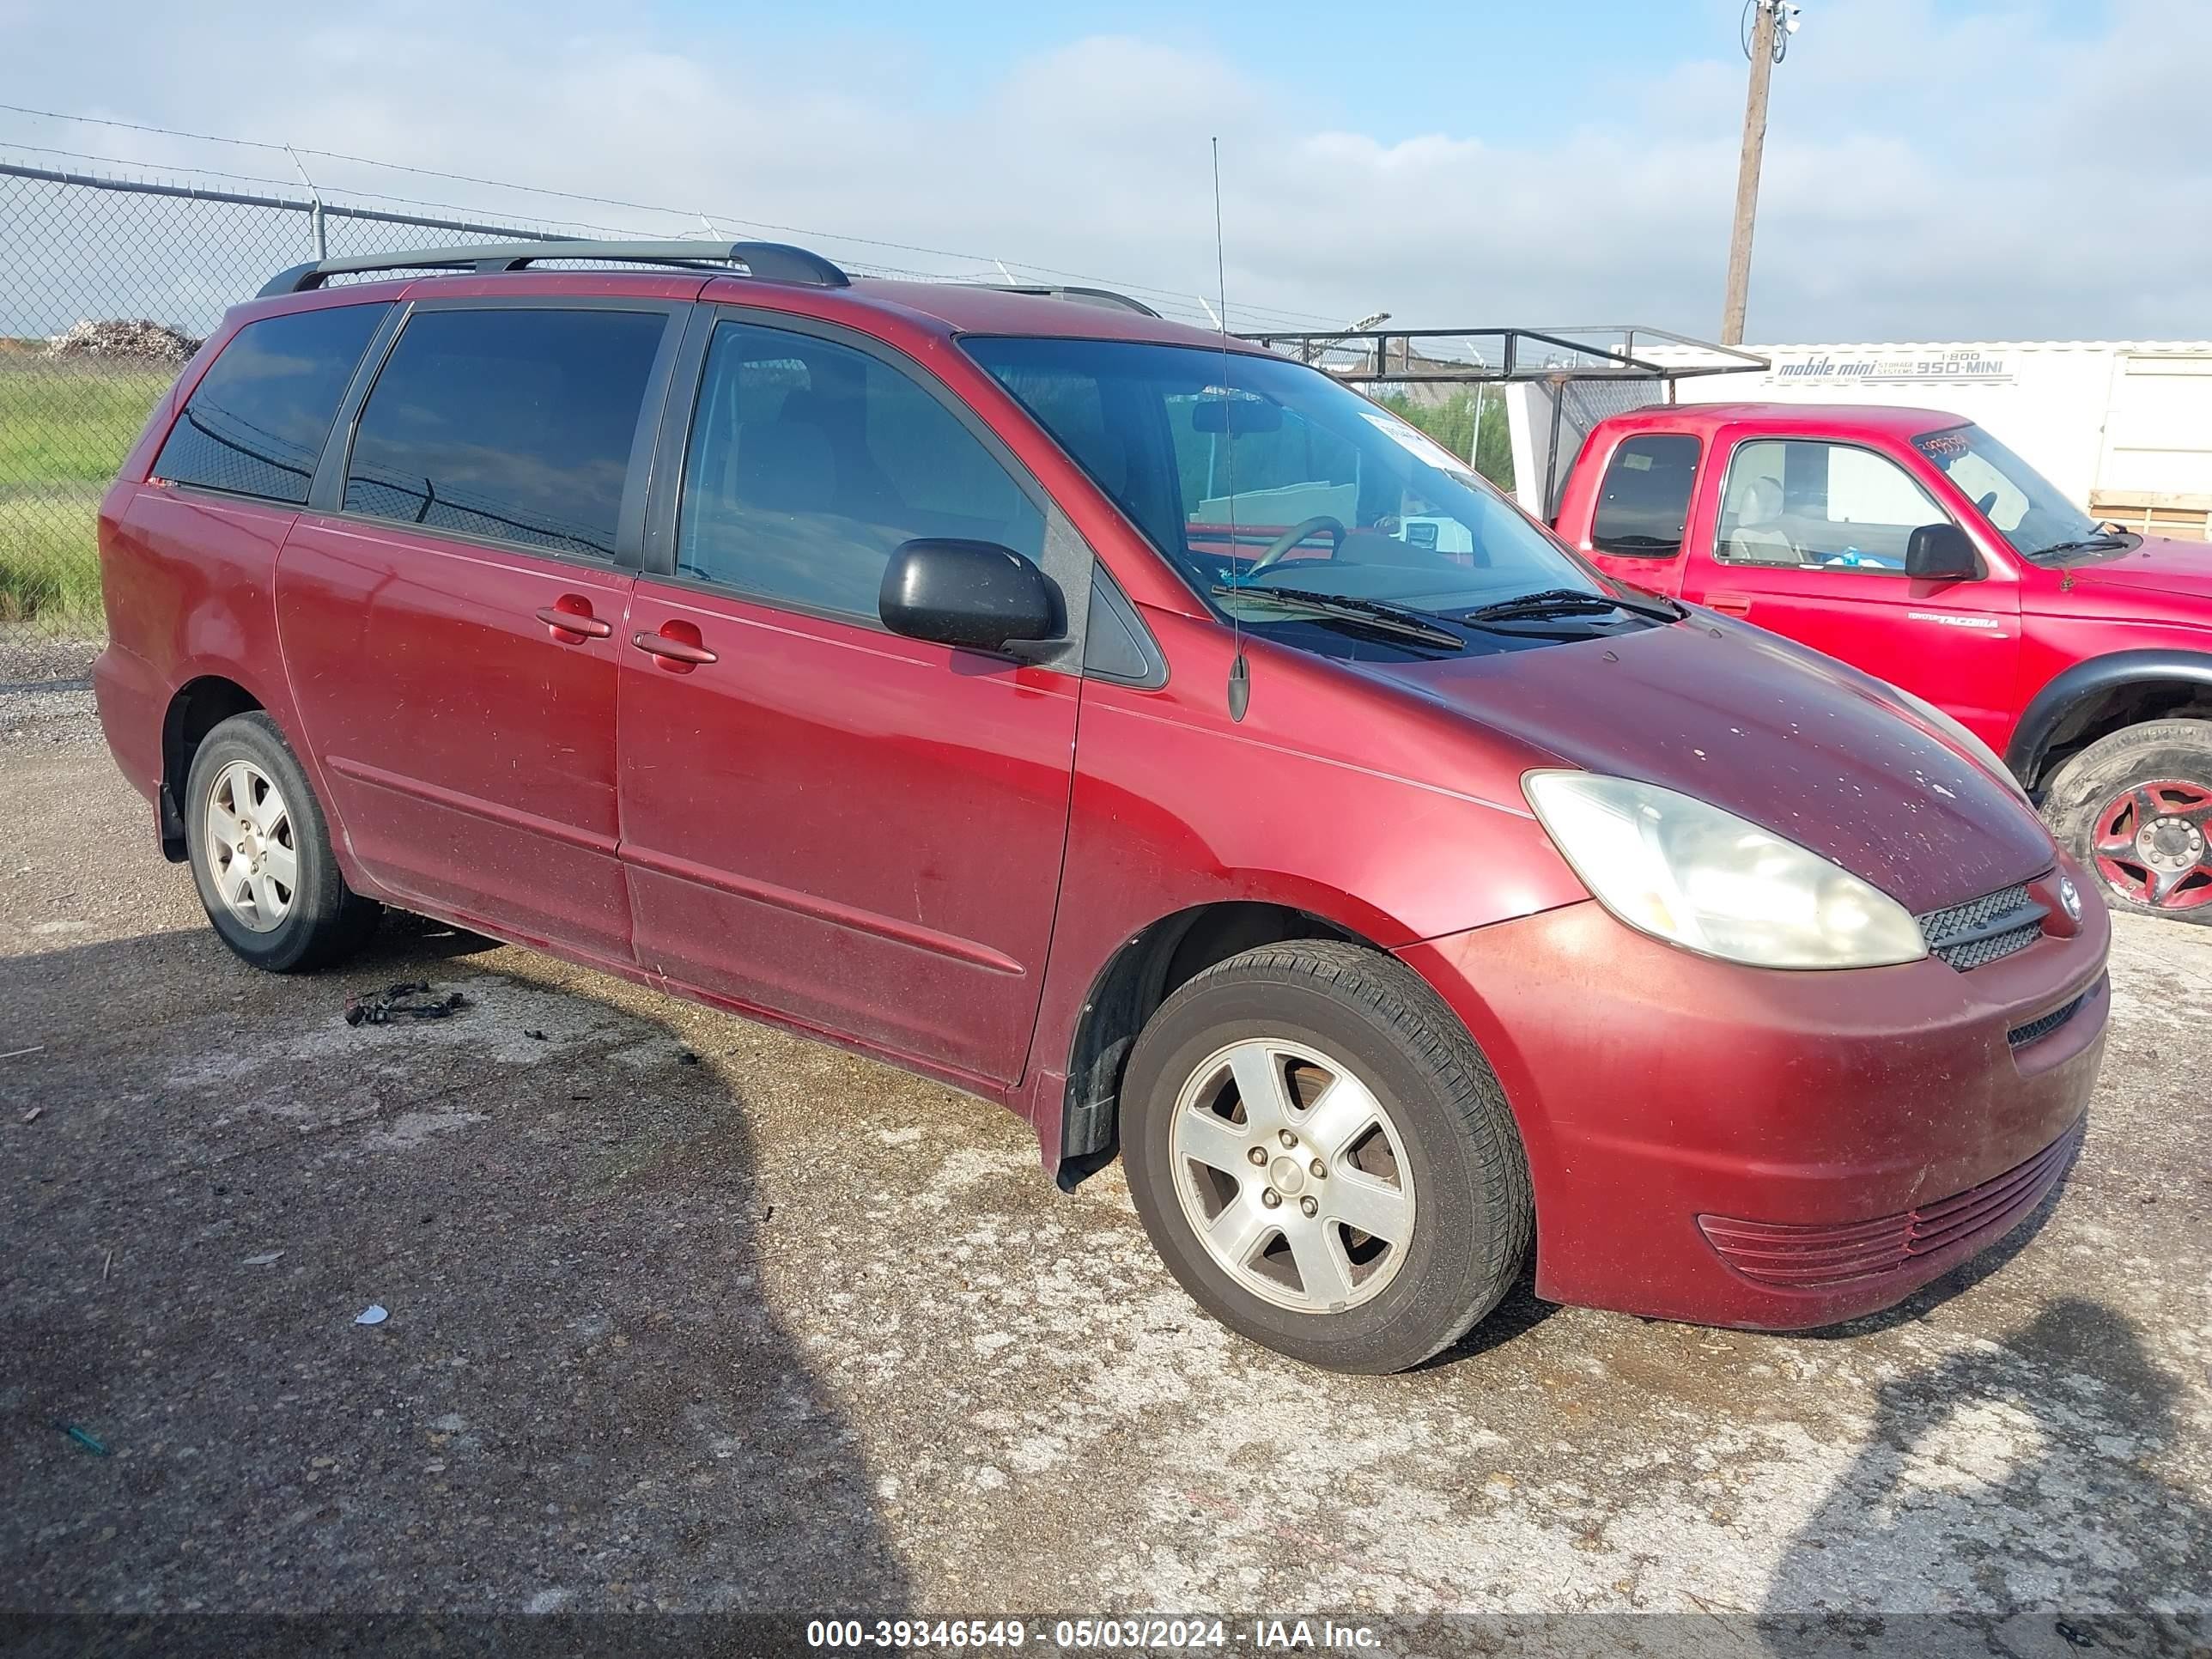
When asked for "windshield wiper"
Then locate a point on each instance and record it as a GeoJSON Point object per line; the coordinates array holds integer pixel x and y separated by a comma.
{"type": "Point", "coordinates": [1570, 601]}
{"type": "Point", "coordinates": [1400, 620]}
{"type": "Point", "coordinates": [2087, 545]}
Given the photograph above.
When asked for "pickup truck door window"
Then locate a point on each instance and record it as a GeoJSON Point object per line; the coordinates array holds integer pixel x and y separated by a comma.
{"type": "Point", "coordinates": [1809, 540]}
{"type": "Point", "coordinates": [851, 829]}
{"type": "Point", "coordinates": [1643, 509]}
{"type": "Point", "coordinates": [1835, 507]}
{"type": "Point", "coordinates": [451, 628]}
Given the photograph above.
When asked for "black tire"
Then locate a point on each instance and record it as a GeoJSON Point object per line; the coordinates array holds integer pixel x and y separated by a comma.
{"type": "Point", "coordinates": [1475, 1219]}
{"type": "Point", "coordinates": [325, 922]}
{"type": "Point", "coordinates": [2156, 751]}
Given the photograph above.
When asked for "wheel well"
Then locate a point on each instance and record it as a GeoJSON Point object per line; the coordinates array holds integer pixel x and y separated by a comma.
{"type": "Point", "coordinates": [2103, 713]}
{"type": "Point", "coordinates": [1144, 972]}
{"type": "Point", "coordinates": [197, 709]}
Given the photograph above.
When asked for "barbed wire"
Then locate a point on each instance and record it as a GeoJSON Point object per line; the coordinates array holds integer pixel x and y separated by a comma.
{"type": "Point", "coordinates": [1186, 302]}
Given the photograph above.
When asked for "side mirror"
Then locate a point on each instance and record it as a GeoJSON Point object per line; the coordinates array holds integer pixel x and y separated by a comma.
{"type": "Point", "coordinates": [976, 595]}
{"type": "Point", "coordinates": [1941, 553]}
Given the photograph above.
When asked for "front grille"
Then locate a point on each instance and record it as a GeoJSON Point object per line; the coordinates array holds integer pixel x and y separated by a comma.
{"type": "Point", "coordinates": [1981, 931]}
{"type": "Point", "coordinates": [2021, 1035]}
{"type": "Point", "coordinates": [1806, 1258]}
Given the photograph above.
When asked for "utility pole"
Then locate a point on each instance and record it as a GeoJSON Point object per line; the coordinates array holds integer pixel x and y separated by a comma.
{"type": "Point", "coordinates": [1772, 22]}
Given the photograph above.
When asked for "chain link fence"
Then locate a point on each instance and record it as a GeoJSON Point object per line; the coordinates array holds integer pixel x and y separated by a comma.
{"type": "Point", "coordinates": [108, 285]}
{"type": "Point", "coordinates": [107, 288]}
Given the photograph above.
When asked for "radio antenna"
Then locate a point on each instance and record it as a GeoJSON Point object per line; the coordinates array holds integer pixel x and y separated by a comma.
{"type": "Point", "coordinates": [1240, 674]}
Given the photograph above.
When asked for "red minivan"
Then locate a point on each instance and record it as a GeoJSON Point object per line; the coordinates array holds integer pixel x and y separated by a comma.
{"type": "Point", "coordinates": [1117, 722]}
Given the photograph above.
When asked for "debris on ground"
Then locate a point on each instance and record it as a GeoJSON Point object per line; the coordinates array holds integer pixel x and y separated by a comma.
{"type": "Point", "coordinates": [31, 1116]}
{"type": "Point", "coordinates": [537, 1036]}
{"type": "Point", "coordinates": [17, 1053]}
{"type": "Point", "coordinates": [374, 1314]}
{"type": "Point", "coordinates": [410, 999]}
{"type": "Point", "coordinates": [88, 1442]}
{"type": "Point", "coordinates": [261, 1261]}
{"type": "Point", "coordinates": [137, 339]}
{"type": "Point", "coordinates": [685, 1057]}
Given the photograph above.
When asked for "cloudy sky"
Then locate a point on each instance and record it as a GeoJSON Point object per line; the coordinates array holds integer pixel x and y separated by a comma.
{"type": "Point", "coordinates": [1936, 169]}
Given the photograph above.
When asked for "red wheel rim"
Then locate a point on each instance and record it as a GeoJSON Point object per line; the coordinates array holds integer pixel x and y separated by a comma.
{"type": "Point", "coordinates": [2152, 844]}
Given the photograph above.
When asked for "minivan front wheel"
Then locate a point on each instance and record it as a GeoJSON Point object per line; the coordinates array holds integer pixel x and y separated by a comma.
{"type": "Point", "coordinates": [1324, 1158]}
{"type": "Point", "coordinates": [260, 852]}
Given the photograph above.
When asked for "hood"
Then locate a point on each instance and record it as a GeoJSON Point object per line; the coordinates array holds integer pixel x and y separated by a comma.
{"type": "Point", "coordinates": [2160, 564]}
{"type": "Point", "coordinates": [1789, 739]}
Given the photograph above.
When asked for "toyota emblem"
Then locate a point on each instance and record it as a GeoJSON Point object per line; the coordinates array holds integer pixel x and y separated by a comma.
{"type": "Point", "coordinates": [2071, 896]}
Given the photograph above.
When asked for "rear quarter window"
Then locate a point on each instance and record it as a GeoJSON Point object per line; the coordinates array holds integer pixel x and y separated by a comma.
{"type": "Point", "coordinates": [256, 423]}
{"type": "Point", "coordinates": [1643, 503]}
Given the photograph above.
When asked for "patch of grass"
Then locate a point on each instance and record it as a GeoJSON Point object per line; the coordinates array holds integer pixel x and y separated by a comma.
{"type": "Point", "coordinates": [65, 421]}
{"type": "Point", "coordinates": [50, 565]}
{"type": "Point", "coordinates": [64, 428]}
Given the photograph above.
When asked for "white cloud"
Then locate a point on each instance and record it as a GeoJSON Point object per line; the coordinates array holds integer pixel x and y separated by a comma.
{"type": "Point", "coordinates": [1929, 175]}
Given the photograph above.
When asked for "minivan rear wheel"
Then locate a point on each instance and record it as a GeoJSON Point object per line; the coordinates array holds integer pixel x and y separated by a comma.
{"type": "Point", "coordinates": [1324, 1158]}
{"type": "Point", "coordinates": [260, 852]}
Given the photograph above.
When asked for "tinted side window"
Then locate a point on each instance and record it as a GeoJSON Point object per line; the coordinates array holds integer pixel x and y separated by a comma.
{"type": "Point", "coordinates": [256, 420]}
{"type": "Point", "coordinates": [512, 423]}
{"type": "Point", "coordinates": [810, 462]}
{"type": "Point", "coordinates": [1644, 505]}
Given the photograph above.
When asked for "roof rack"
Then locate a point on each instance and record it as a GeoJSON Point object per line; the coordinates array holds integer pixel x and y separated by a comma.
{"type": "Point", "coordinates": [772, 262]}
{"type": "Point", "coordinates": [1082, 296]}
{"type": "Point", "coordinates": [1564, 379]}
{"type": "Point", "coordinates": [1606, 351]}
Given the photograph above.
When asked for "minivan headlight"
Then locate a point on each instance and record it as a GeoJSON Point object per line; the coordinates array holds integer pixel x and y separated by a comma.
{"type": "Point", "coordinates": [1952, 733]}
{"type": "Point", "coordinates": [1681, 870]}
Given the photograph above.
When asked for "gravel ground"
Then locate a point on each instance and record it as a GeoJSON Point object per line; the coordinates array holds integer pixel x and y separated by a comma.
{"type": "Point", "coordinates": [44, 698]}
{"type": "Point", "coordinates": [684, 1313]}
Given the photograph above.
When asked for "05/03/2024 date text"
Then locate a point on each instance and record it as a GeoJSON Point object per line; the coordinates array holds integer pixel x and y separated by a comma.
{"type": "Point", "coordinates": [1091, 1634]}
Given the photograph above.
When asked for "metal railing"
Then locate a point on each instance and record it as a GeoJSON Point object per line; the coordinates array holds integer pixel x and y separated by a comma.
{"type": "Point", "coordinates": [84, 258]}
{"type": "Point", "coordinates": [1567, 378]}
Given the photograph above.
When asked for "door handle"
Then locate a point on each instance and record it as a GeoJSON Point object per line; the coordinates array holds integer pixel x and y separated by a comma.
{"type": "Point", "coordinates": [1730, 605]}
{"type": "Point", "coordinates": [572, 614]}
{"type": "Point", "coordinates": [681, 655]}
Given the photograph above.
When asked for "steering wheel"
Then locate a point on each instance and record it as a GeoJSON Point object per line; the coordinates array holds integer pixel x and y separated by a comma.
{"type": "Point", "coordinates": [1273, 554]}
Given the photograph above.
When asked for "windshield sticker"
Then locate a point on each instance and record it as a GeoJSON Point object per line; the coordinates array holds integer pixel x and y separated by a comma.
{"type": "Point", "coordinates": [1416, 443]}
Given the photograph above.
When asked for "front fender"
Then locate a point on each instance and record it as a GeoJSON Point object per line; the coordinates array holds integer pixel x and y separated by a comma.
{"type": "Point", "coordinates": [2094, 677]}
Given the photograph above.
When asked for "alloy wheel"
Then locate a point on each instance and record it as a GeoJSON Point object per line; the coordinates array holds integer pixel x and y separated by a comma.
{"type": "Point", "coordinates": [2153, 844]}
{"type": "Point", "coordinates": [1292, 1176]}
{"type": "Point", "coordinates": [252, 857]}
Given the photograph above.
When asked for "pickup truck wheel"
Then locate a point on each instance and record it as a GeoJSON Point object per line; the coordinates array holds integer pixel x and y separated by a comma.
{"type": "Point", "coordinates": [2135, 807]}
{"type": "Point", "coordinates": [260, 852]}
{"type": "Point", "coordinates": [1323, 1158]}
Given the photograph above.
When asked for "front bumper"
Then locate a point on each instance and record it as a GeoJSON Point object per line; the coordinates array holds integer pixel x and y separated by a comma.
{"type": "Point", "coordinates": [1770, 1150]}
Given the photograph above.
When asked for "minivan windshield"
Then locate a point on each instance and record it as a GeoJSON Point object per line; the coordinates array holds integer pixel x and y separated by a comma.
{"type": "Point", "coordinates": [1252, 472]}
{"type": "Point", "coordinates": [2020, 504]}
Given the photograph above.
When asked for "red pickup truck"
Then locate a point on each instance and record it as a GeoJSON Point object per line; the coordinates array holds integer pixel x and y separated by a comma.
{"type": "Point", "coordinates": [1914, 545]}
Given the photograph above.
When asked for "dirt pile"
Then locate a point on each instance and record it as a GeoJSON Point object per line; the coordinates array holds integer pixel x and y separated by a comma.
{"type": "Point", "coordinates": [123, 340]}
